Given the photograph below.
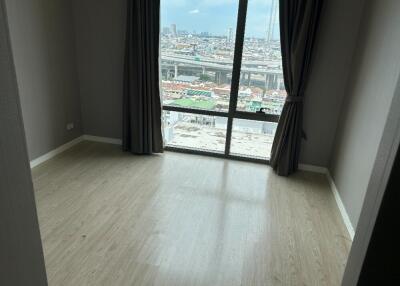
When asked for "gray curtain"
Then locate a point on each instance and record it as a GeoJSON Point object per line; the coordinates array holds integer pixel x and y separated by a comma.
{"type": "Point", "coordinates": [141, 98]}
{"type": "Point", "coordinates": [298, 26]}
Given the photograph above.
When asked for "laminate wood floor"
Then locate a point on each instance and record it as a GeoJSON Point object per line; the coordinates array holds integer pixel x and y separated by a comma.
{"type": "Point", "coordinates": [111, 218]}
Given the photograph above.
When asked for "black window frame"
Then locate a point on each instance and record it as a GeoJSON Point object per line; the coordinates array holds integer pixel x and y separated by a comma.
{"type": "Point", "coordinates": [232, 113]}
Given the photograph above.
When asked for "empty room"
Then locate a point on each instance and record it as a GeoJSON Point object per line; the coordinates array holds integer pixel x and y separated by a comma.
{"type": "Point", "coordinates": [197, 142]}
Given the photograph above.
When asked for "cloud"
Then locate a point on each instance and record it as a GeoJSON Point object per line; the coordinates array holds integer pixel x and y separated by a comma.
{"type": "Point", "coordinates": [195, 11]}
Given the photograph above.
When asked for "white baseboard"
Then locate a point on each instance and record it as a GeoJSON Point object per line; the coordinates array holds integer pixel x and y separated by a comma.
{"type": "Point", "coordinates": [341, 206]}
{"type": "Point", "coordinates": [102, 139]}
{"type": "Point", "coordinates": [342, 209]}
{"type": "Point", "coordinates": [313, 168]}
{"type": "Point", "coordinates": [62, 148]}
{"type": "Point", "coordinates": [55, 152]}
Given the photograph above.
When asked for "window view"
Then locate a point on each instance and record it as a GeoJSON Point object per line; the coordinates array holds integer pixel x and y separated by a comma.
{"type": "Point", "coordinates": [261, 78]}
{"type": "Point", "coordinates": [195, 131]}
{"type": "Point", "coordinates": [252, 138]}
{"type": "Point", "coordinates": [197, 47]}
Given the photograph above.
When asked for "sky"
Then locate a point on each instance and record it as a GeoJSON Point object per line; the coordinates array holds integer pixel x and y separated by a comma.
{"type": "Point", "coordinates": [216, 16]}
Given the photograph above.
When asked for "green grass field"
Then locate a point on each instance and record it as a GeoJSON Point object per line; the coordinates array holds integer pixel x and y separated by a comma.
{"type": "Point", "coordinates": [201, 104]}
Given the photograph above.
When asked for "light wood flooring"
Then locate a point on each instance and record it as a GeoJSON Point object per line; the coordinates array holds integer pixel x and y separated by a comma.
{"type": "Point", "coordinates": [111, 218]}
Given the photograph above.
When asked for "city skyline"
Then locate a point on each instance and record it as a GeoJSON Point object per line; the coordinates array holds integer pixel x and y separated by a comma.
{"type": "Point", "coordinates": [197, 54]}
{"type": "Point", "coordinates": [192, 15]}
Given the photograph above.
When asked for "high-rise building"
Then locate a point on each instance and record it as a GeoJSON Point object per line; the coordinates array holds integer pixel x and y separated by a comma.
{"type": "Point", "coordinates": [173, 30]}
{"type": "Point", "coordinates": [272, 19]}
{"type": "Point", "coordinates": [230, 35]}
{"type": "Point", "coordinates": [166, 31]}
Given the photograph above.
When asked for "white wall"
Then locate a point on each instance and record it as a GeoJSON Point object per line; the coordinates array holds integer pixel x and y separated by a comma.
{"type": "Point", "coordinates": [100, 46]}
{"type": "Point", "coordinates": [369, 93]}
{"type": "Point", "coordinates": [334, 48]}
{"type": "Point", "coordinates": [21, 255]}
{"type": "Point", "coordinates": [44, 54]}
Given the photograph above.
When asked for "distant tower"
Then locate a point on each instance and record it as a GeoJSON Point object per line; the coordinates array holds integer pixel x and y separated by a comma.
{"type": "Point", "coordinates": [173, 30]}
{"type": "Point", "coordinates": [165, 30]}
{"type": "Point", "coordinates": [230, 35]}
{"type": "Point", "coordinates": [272, 19]}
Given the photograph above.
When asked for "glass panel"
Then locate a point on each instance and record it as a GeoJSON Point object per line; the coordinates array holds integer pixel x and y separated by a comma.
{"type": "Point", "coordinates": [197, 47]}
{"type": "Point", "coordinates": [195, 131]}
{"type": "Point", "coordinates": [252, 138]}
{"type": "Point", "coordinates": [261, 80]}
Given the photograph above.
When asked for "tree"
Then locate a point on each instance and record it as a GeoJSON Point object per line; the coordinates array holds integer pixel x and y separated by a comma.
{"type": "Point", "coordinates": [204, 77]}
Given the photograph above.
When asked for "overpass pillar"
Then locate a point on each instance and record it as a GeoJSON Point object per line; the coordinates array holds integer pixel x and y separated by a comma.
{"type": "Point", "coordinates": [279, 81]}
{"type": "Point", "coordinates": [269, 81]}
{"type": "Point", "coordinates": [176, 71]}
{"type": "Point", "coordinates": [218, 77]}
{"type": "Point", "coordinates": [223, 77]}
{"type": "Point", "coordinates": [275, 81]}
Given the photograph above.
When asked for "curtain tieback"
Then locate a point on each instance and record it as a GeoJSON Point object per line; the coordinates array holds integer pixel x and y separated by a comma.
{"type": "Point", "coordinates": [294, 98]}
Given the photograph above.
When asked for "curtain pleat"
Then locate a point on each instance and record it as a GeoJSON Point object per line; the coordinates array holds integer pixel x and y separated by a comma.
{"type": "Point", "coordinates": [141, 96]}
{"type": "Point", "coordinates": [298, 25]}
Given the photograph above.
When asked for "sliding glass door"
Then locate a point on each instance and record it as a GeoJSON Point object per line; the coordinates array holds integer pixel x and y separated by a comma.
{"type": "Point", "coordinates": [221, 76]}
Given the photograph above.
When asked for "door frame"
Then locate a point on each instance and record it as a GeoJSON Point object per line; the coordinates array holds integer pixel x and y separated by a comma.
{"type": "Point", "coordinates": [384, 161]}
